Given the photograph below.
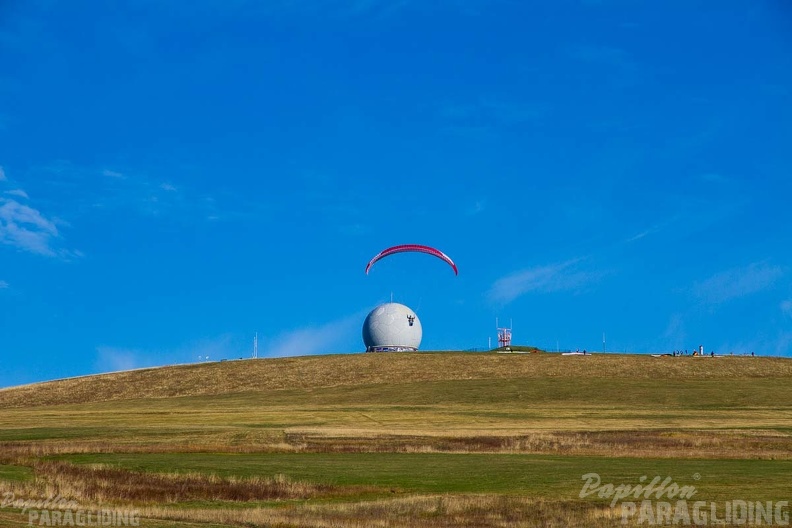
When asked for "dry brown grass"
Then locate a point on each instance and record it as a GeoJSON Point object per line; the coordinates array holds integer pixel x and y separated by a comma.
{"type": "Point", "coordinates": [100, 484]}
{"type": "Point", "coordinates": [731, 444]}
{"type": "Point", "coordinates": [541, 403]}
{"type": "Point", "coordinates": [94, 487]}
{"type": "Point", "coordinates": [363, 369]}
{"type": "Point", "coordinates": [440, 511]}
{"type": "Point", "coordinates": [645, 444]}
{"type": "Point", "coordinates": [433, 511]}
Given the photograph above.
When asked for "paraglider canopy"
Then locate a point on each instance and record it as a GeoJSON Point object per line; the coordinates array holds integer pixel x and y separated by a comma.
{"type": "Point", "coordinates": [414, 248]}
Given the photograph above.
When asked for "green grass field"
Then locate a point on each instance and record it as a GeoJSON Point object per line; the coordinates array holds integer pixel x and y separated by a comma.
{"type": "Point", "coordinates": [446, 439]}
{"type": "Point", "coordinates": [550, 477]}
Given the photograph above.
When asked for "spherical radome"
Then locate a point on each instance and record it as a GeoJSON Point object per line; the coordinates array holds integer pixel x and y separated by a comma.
{"type": "Point", "coordinates": [392, 327]}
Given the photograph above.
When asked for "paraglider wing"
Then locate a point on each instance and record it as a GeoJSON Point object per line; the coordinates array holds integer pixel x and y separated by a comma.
{"type": "Point", "coordinates": [415, 248]}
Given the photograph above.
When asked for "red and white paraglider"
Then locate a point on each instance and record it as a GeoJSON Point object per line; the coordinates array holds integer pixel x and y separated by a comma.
{"type": "Point", "coordinates": [413, 248]}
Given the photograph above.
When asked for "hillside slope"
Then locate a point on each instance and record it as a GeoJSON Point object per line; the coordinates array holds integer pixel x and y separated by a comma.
{"type": "Point", "coordinates": [315, 372]}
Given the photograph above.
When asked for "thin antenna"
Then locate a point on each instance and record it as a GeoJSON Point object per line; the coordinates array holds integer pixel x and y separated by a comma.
{"type": "Point", "coordinates": [255, 346]}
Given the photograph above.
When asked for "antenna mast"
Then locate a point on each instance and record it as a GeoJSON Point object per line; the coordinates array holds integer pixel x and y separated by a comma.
{"type": "Point", "coordinates": [504, 334]}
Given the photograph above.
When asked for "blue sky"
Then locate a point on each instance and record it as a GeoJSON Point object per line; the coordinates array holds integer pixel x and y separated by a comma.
{"type": "Point", "coordinates": [178, 176]}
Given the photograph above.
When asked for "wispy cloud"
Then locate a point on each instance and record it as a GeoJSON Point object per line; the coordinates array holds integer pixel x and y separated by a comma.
{"type": "Point", "coordinates": [26, 228]}
{"type": "Point", "coordinates": [653, 229]}
{"type": "Point", "coordinates": [112, 174]}
{"type": "Point", "coordinates": [565, 276]}
{"type": "Point", "coordinates": [110, 359]}
{"type": "Point", "coordinates": [18, 192]}
{"type": "Point", "coordinates": [738, 282]}
{"type": "Point", "coordinates": [315, 339]}
{"type": "Point", "coordinates": [675, 335]}
{"type": "Point", "coordinates": [3, 285]}
{"type": "Point", "coordinates": [113, 359]}
{"type": "Point", "coordinates": [88, 190]}
{"type": "Point", "coordinates": [643, 234]}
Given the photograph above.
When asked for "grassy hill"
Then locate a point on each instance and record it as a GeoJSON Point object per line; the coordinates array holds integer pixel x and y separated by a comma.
{"type": "Point", "coordinates": [319, 372]}
{"type": "Point", "coordinates": [426, 439]}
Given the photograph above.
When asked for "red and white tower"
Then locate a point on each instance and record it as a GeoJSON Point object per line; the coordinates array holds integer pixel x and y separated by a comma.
{"type": "Point", "coordinates": [504, 335]}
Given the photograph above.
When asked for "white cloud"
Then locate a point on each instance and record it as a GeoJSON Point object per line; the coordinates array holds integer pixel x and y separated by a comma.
{"type": "Point", "coordinates": [642, 234]}
{"type": "Point", "coordinates": [738, 282]}
{"type": "Point", "coordinates": [17, 192]}
{"type": "Point", "coordinates": [26, 228]}
{"type": "Point", "coordinates": [315, 339]}
{"type": "Point", "coordinates": [652, 230]}
{"type": "Point", "coordinates": [113, 359]}
{"type": "Point", "coordinates": [3, 285]}
{"type": "Point", "coordinates": [87, 190]}
{"type": "Point", "coordinates": [541, 279]}
{"type": "Point", "coordinates": [675, 335]}
{"type": "Point", "coordinates": [112, 174]}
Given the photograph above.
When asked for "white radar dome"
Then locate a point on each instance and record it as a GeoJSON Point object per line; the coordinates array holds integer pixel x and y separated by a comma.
{"type": "Point", "coordinates": [392, 327]}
